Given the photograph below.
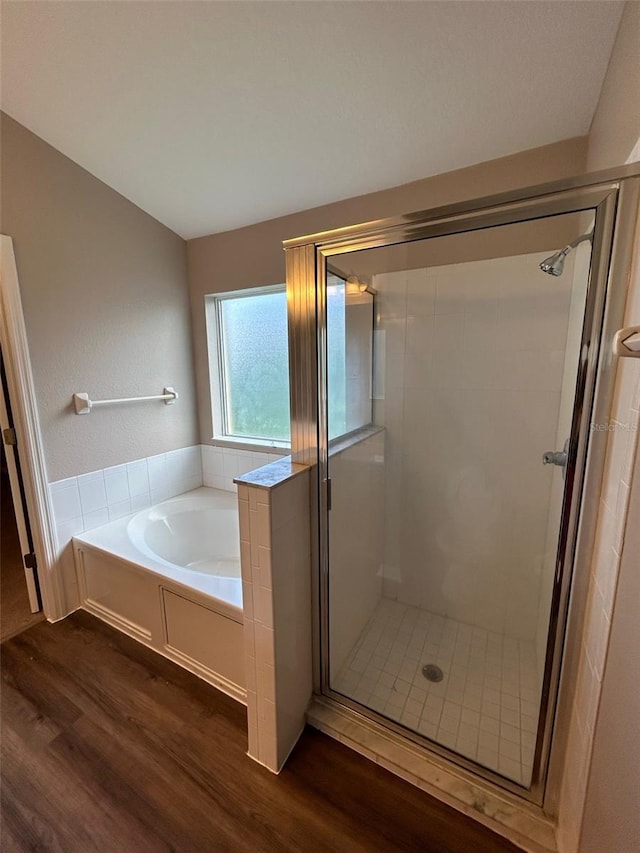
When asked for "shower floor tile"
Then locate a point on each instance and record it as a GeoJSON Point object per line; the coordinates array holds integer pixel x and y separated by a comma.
{"type": "Point", "coordinates": [484, 708]}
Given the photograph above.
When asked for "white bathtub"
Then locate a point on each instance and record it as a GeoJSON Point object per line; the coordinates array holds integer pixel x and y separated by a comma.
{"type": "Point", "coordinates": [192, 539]}
{"type": "Point", "coordinates": [197, 531]}
{"type": "Point", "coordinates": [169, 576]}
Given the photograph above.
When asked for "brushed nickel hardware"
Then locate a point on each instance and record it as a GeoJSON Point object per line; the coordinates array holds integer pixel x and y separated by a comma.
{"type": "Point", "coordinates": [556, 457]}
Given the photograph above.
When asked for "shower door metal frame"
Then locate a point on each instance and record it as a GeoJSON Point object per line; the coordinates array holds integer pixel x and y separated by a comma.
{"type": "Point", "coordinates": [613, 195]}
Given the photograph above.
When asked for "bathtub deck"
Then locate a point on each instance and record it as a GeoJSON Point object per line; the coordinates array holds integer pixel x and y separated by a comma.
{"type": "Point", "coordinates": [108, 746]}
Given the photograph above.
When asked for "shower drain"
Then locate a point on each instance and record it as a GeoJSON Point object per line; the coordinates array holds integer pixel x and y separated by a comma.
{"type": "Point", "coordinates": [432, 672]}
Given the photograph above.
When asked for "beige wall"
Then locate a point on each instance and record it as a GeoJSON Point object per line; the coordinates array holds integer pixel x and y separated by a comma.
{"type": "Point", "coordinates": [104, 291]}
{"type": "Point", "coordinates": [253, 256]}
{"type": "Point", "coordinates": [615, 129]}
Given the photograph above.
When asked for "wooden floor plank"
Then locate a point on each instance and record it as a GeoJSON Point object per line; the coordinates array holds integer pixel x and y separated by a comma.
{"type": "Point", "coordinates": [109, 747]}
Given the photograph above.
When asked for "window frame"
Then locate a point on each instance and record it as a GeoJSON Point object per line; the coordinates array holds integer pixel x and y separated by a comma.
{"type": "Point", "coordinates": [218, 382]}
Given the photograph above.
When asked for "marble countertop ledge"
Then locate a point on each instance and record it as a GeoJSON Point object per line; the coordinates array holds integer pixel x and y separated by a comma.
{"type": "Point", "coordinates": [271, 475]}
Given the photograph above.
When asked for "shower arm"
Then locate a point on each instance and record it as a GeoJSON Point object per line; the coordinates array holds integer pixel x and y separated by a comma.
{"type": "Point", "coordinates": [581, 239]}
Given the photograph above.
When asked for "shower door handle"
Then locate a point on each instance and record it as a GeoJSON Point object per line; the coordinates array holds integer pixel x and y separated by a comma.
{"type": "Point", "coordinates": [554, 457]}
{"type": "Point", "coordinates": [557, 457]}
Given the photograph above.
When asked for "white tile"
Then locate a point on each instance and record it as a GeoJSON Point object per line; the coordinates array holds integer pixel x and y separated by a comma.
{"type": "Point", "coordinates": [157, 471]}
{"type": "Point", "coordinates": [487, 757]}
{"type": "Point", "coordinates": [510, 733]}
{"type": "Point", "coordinates": [489, 724]}
{"type": "Point", "coordinates": [468, 733]}
{"type": "Point", "coordinates": [263, 526]}
{"type": "Point", "coordinates": [448, 724]}
{"type": "Point", "coordinates": [463, 712]}
{"type": "Point", "coordinates": [509, 749]}
{"type": "Point", "coordinates": [176, 473]}
{"type": "Point", "coordinates": [215, 461]}
{"type": "Point", "coordinates": [65, 498]}
{"type": "Point", "coordinates": [262, 599]}
{"type": "Point", "coordinates": [381, 692]}
{"type": "Point", "coordinates": [119, 509]}
{"type": "Point", "coordinates": [138, 478]}
{"type": "Point", "coordinates": [468, 748]}
{"type": "Point", "coordinates": [139, 502]}
{"type": "Point", "coordinates": [396, 700]}
{"type": "Point", "coordinates": [116, 484]}
{"type": "Point", "coordinates": [92, 492]}
{"type": "Point", "coordinates": [218, 482]}
{"type": "Point", "coordinates": [510, 769]}
{"type": "Point", "coordinates": [231, 463]}
{"type": "Point", "coordinates": [488, 709]}
{"type": "Point", "coordinates": [95, 519]}
{"type": "Point", "coordinates": [509, 716]}
{"type": "Point", "coordinates": [266, 681]}
{"type": "Point", "coordinates": [488, 741]}
{"type": "Point", "coordinates": [388, 680]}
{"type": "Point", "coordinates": [414, 706]}
{"type": "Point", "coordinates": [446, 738]}
{"type": "Point", "coordinates": [192, 460]}
{"type": "Point", "coordinates": [470, 718]}
{"type": "Point", "coordinates": [67, 528]}
{"type": "Point", "coordinates": [402, 687]}
{"type": "Point", "coordinates": [157, 496]}
{"type": "Point", "coordinates": [264, 643]}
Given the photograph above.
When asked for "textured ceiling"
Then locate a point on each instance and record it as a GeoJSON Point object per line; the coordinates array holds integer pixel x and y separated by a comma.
{"type": "Point", "coordinates": [213, 115]}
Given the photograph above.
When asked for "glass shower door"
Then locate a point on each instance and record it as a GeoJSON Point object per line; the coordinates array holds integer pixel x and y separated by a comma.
{"type": "Point", "coordinates": [447, 503]}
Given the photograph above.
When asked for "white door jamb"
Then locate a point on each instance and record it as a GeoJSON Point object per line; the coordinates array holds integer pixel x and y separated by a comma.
{"type": "Point", "coordinates": [24, 410]}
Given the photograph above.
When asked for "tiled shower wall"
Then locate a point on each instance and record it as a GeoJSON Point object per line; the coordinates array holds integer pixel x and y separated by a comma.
{"type": "Point", "coordinates": [90, 500]}
{"type": "Point", "coordinates": [356, 542]}
{"type": "Point", "coordinates": [578, 267]}
{"type": "Point", "coordinates": [474, 357]}
{"type": "Point", "coordinates": [623, 435]}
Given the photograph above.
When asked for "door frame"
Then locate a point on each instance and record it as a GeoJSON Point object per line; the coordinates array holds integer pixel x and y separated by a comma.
{"type": "Point", "coordinates": [615, 194]}
{"type": "Point", "coordinates": [26, 422]}
{"type": "Point", "coordinates": [10, 447]}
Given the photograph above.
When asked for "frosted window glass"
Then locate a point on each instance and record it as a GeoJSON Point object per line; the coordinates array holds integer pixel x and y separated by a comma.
{"type": "Point", "coordinates": [336, 357]}
{"type": "Point", "coordinates": [256, 365]}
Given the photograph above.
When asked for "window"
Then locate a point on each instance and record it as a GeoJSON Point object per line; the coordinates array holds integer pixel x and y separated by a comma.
{"type": "Point", "coordinates": [249, 363]}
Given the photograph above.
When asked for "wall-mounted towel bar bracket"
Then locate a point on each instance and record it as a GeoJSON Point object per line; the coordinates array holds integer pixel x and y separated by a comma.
{"type": "Point", "coordinates": [83, 404]}
{"type": "Point", "coordinates": [626, 342]}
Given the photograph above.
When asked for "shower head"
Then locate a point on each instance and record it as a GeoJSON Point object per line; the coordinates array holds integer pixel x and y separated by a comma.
{"type": "Point", "coordinates": [554, 264]}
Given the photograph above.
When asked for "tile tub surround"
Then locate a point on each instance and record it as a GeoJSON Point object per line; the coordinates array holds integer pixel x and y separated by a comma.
{"type": "Point", "coordinates": [486, 706]}
{"type": "Point", "coordinates": [275, 548]}
{"type": "Point", "coordinates": [90, 500]}
{"type": "Point", "coordinates": [221, 465]}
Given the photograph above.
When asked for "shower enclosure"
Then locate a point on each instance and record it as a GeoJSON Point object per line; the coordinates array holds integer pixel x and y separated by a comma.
{"type": "Point", "coordinates": [454, 410]}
